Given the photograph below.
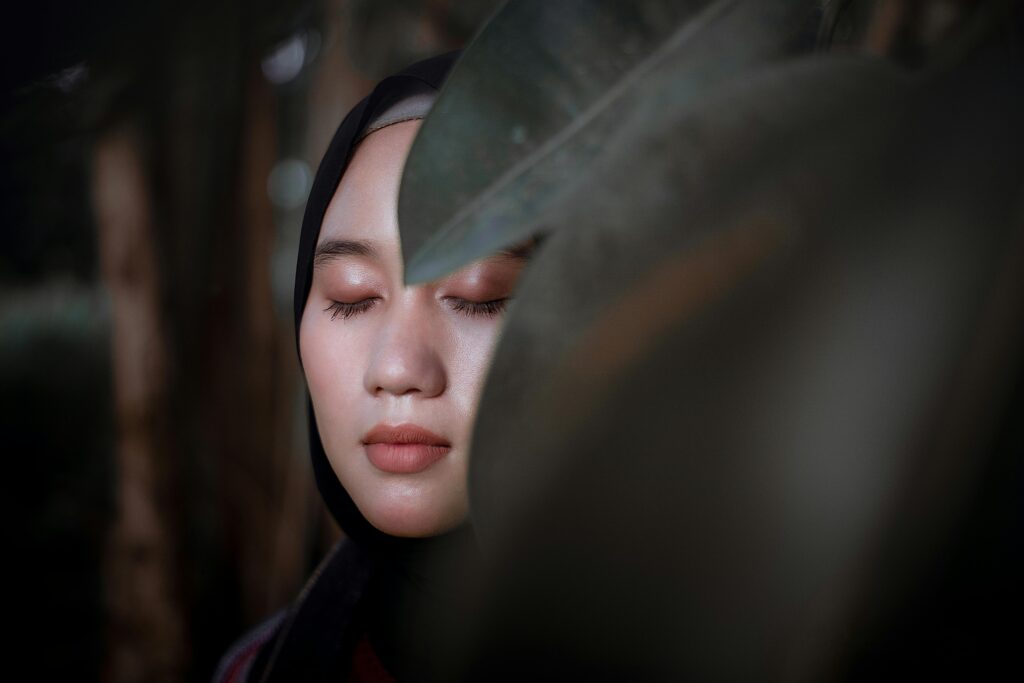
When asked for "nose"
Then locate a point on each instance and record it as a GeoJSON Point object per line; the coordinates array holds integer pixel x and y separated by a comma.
{"type": "Point", "coordinates": [407, 358]}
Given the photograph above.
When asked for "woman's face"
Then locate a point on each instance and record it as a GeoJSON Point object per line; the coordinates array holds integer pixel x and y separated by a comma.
{"type": "Point", "coordinates": [395, 372]}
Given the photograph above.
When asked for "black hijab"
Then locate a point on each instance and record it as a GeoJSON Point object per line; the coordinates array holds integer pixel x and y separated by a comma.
{"type": "Point", "coordinates": [413, 583]}
{"type": "Point", "coordinates": [423, 78]}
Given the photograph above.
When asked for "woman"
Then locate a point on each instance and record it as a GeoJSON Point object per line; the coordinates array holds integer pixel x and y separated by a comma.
{"type": "Point", "coordinates": [394, 374]}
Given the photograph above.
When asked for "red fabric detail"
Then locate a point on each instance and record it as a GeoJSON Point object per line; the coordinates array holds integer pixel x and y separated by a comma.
{"type": "Point", "coordinates": [366, 665]}
{"type": "Point", "coordinates": [243, 658]}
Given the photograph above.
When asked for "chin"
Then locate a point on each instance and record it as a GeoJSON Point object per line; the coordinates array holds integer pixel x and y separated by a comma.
{"type": "Point", "coordinates": [416, 518]}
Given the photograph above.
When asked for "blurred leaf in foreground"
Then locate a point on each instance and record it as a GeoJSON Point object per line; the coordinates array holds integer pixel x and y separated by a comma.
{"type": "Point", "coordinates": [762, 381]}
{"type": "Point", "coordinates": [538, 93]}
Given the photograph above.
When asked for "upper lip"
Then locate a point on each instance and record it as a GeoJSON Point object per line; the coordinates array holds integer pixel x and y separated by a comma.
{"type": "Point", "coordinates": [404, 433]}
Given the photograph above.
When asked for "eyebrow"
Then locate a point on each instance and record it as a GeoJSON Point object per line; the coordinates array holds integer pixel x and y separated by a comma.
{"type": "Point", "coordinates": [332, 249]}
{"type": "Point", "coordinates": [522, 251]}
{"type": "Point", "coordinates": [329, 250]}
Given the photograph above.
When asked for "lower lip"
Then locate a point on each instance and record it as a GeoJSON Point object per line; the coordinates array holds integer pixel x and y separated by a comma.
{"type": "Point", "coordinates": [404, 458]}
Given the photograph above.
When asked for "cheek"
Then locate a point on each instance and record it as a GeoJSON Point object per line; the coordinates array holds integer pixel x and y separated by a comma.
{"type": "Point", "coordinates": [473, 349]}
{"type": "Point", "coordinates": [332, 358]}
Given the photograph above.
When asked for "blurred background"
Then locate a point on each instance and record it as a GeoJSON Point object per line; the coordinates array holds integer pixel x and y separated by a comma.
{"type": "Point", "coordinates": [155, 163]}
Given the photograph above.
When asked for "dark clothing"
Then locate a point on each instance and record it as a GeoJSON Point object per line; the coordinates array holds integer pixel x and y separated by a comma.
{"type": "Point", "coordinates": [314, 639]}
{"type": "Point", "coordinates": [363, 619]}
{"type": "Point", "coordinates": [363, 613]}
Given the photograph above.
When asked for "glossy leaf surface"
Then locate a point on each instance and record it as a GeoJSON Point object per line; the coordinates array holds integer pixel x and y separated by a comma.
{"type": "Point", "coordinates": [755, 378]}
{"type": "Point", "coordinates": [539, 92]}
{"type": "Point", "coordinates": [734, 418]}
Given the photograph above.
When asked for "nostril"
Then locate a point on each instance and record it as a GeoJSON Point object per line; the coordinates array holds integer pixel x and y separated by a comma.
{"type": "Point", "coordinates": [406, 361]}
{"type": "Point", "coordinates": [407, 375]}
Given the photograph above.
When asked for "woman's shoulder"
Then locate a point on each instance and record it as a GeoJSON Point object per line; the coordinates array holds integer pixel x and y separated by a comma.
{"type": "Point", "coordinates": [311, 633]}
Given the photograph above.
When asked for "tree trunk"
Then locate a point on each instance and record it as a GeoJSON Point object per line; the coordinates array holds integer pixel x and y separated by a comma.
{"type": "Point", "coordinates": [146, 631]}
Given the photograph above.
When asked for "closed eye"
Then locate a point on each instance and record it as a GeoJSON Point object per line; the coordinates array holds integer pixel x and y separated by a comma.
{"type": "Point", "coordinates": [486, 309]}
{"type": "Point", "coordinates": [347, 310]}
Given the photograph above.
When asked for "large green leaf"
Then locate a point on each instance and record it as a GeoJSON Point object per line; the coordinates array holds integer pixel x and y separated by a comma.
{"type": "Point", "coordinates": [537, 95]}
{"type": "Point", "coordinates": [747, 387]}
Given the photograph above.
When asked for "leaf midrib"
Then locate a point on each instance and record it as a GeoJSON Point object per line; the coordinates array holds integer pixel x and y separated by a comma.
{"type": "Point", "coordinates": [601, 104]}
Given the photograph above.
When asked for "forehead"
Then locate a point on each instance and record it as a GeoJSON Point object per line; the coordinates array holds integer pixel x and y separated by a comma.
{"type": "Point", "coordinates": [365, 205]}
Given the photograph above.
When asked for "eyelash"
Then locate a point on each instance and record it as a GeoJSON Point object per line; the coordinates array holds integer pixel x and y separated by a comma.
{"type": "Point", "coordinates": [473, 309]}
{"type": "Point", "coordinates": [347, 310]}
{"type": "Point", "coordinates": [486, 309]}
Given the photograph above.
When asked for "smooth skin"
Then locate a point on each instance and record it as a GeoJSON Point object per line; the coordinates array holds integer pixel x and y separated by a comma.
{"type": "Point", "coordinates": [376, 352]}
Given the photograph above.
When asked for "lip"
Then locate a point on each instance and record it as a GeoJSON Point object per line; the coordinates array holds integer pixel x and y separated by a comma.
{"type": "Point", "coordinates": [404, 448]}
